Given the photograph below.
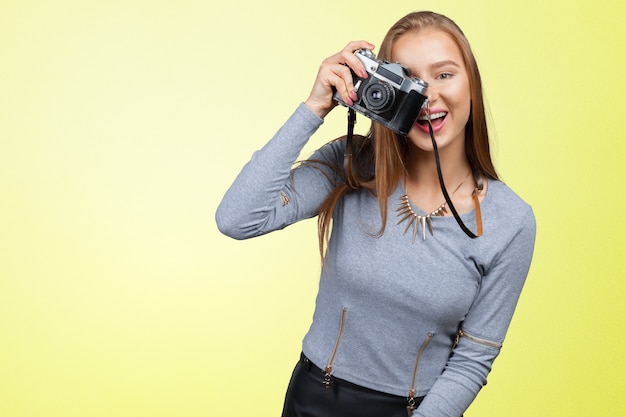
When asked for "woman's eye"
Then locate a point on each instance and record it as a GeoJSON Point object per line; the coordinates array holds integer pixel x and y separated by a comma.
{"type": "Point", "coordinates": [444, 76]}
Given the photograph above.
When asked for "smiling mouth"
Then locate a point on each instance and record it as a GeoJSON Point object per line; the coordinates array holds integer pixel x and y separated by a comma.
{"type": "Point", "coordinates": [435, 118]}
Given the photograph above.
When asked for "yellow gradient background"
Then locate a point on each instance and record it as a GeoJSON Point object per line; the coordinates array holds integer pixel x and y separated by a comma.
{"type": "Point", "coordinates": [122, 123]}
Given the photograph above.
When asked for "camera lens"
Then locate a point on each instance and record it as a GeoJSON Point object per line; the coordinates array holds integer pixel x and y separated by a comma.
{"type": "Point", "coordinates": [378, 96]}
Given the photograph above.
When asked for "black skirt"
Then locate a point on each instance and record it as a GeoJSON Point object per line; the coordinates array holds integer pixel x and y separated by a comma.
{"type": "Point", "coordinates": [309, 396]}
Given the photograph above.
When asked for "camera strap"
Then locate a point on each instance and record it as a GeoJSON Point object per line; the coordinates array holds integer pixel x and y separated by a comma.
{"type": "Point", "coordinates": [347, 156]}
{"type": "Point", "coordinates": [477, 190]}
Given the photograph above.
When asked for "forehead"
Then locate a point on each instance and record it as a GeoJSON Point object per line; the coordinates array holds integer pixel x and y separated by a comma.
{"type": "Point", "coordinates": [425, 47]}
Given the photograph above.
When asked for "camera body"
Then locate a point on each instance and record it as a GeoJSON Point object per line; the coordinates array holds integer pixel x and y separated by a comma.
{"type": "Point", "coordinates": [389, 95]}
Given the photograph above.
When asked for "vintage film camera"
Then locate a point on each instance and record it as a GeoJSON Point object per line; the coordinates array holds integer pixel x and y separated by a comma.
{"type": "Point", "coordinates": [389, 95]}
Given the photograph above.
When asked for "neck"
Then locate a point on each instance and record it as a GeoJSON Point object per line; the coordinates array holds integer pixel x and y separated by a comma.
{"type": "Point", "coordinates": [422, 168]}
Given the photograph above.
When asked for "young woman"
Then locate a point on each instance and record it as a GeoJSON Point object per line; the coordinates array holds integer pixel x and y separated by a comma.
{"type": "Point", "coordinates": [411, 312]}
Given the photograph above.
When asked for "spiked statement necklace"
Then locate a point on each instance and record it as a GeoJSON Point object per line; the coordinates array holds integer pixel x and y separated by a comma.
{"type": "Point", "coordinates": [405, 212]}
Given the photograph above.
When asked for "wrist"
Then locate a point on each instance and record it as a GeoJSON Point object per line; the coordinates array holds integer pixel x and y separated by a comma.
{"type": "Point", "coordinates": [319, 110]}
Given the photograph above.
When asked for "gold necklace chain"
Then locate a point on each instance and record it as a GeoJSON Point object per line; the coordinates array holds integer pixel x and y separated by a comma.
{"type": "Point", "coordinates": [405, 211]}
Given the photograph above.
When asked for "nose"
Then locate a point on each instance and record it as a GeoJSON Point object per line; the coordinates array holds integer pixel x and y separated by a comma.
{"type": "Point", "coordinates": [432, 94]}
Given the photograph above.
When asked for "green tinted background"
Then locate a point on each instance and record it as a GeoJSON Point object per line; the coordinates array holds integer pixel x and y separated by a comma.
{"type": "Point", "coordinates": [122, 123]}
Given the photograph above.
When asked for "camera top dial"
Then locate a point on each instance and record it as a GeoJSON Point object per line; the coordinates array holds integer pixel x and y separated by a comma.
{"type": "Point", "coordinates": [367, 53]}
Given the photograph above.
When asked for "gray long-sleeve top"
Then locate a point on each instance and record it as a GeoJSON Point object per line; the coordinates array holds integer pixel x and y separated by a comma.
{"type": "Point", "coordinates": [388, 297]}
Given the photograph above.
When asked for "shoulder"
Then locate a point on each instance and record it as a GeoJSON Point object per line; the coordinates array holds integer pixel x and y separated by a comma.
{"type": "Point", "coordinates": [509, 231]}
{"type": "Point", "coordinates": [501, 197]}
{"type": "Point", "coordinates": [506, 210]}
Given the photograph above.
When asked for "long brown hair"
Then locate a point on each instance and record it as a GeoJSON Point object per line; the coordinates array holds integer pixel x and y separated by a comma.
{"type": "Point", "coordinates": [383, 150]}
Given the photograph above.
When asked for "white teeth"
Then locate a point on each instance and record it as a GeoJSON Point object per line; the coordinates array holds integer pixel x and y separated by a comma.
{"type": "Point", "coordinates": [433, 116]}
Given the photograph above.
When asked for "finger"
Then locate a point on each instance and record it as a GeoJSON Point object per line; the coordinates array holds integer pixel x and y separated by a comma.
{"type": "Point", "coordinates": [348, 51]}
{"type": "Point", "coordinates": [340, 74]}
{"type": "Point", "coordinates": [347, 83]}
{"type": "Point", "coordinates": [349, 58]}
{"type": "Point", "coordinates": [341, 80]}
{"type": "Point", "coordinates": [331, 78]}
{"type": "Point", "coordinates": [356, 45]}
{"type": "Point", "coordinates": [334, 75]}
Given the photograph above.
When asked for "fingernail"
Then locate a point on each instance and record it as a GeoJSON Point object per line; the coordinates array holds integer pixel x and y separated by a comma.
{"type": "Point", "coordinates": [353, 95]}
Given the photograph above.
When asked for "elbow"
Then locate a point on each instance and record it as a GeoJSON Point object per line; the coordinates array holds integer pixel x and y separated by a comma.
{"type": "Point", "coordinates": [228, 230]}
{"type": "Point", "coordinates": [228, 224]}
{"type": "Point", "coordinates": [238, 223]}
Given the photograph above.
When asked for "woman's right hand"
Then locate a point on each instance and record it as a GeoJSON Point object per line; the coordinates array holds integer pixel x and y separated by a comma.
{"type": "Point", "coordinates": [335, 73]}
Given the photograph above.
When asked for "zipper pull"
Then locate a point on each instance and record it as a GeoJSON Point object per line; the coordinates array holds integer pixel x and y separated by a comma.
{"type": "Point", "coordinates": [327, 380]}
{"type": "Point", "coordinates": [410, 409]}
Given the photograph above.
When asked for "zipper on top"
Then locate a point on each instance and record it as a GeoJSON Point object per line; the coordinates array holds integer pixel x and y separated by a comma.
{"type": "Point", "coordinates": [329, 366]}
{"type": "Point", "coordinates": [411, 397]}
{"type": "Point", "coordinates": [479, 340]}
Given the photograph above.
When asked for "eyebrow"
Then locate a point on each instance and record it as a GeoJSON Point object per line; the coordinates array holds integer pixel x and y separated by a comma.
{"type": "Point", "coordinates": [444, 64]}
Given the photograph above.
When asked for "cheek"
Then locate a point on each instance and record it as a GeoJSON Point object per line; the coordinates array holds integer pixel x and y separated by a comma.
{"type": "Point", "coordinates": [462, 100]}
